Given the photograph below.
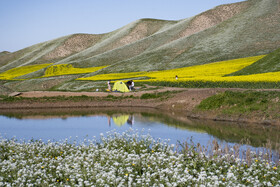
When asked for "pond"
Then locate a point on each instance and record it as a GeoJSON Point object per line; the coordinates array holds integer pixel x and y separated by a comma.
{"type": "Point", "coordinates": [81, 123]}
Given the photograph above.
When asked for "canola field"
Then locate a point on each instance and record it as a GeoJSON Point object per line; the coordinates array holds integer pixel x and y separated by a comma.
{"type": "Point", "coordinates": [206, 75]}
{"type": "Point", "coordinates": [20, 71]}
{"type": "Point", "coordinates": [67, 69]}
{"type": "Point", "coordinates": [52, 70]}
{"type": "Point", "coordinates": [213, 72]}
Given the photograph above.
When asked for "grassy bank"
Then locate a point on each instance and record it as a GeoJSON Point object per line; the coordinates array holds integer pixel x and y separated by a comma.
{"type": "Point", "coordinates": [109, 97]}
{"type": "Point", "coordinates": [217, 84]}
{"type": "Point", "coordinates": [132, 159]}
{"type": "Point", "coordinates": [251, 103]}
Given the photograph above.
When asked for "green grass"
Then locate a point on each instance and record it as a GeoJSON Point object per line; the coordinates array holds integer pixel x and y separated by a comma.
{"type": "Point", "coordinates": [262, 103]}
{"type": "Point", "coordinates": [161, 95]}
{"type": "Point", "coordinates": [210, 84]}
{"type": "Point", "coordinates": [269, 63]}
{"type": "Point", "coordinates": [4, 98]}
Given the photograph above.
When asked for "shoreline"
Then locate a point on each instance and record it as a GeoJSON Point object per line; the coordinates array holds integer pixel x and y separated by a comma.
{"type": "Point", "coordinates": [184, 101]}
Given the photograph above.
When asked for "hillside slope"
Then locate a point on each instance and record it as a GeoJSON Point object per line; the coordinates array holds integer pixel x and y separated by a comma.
{"type": "Point", "coordinates": [270, 63]}
{"type": "Point", "coordinates": [231, 31]}
{"type": "Point", "coordinates": [253, 31]}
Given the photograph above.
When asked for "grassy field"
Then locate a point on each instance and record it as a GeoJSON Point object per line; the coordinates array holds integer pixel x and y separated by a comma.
{"type": "Point", "coordinates": [132, 159]}
{"type": "Point", "coordinates": [246, 103]}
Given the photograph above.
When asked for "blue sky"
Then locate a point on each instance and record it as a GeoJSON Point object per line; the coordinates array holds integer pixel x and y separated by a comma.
{"type": "Point", "coordinates": [28, 22]}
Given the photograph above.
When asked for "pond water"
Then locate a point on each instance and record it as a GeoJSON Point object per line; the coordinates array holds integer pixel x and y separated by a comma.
{"type": "Point", "coordinates": [77, 124]}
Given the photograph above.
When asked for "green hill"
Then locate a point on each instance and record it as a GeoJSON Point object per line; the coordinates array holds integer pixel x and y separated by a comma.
{"type": "Point", "coordinates": [270, 63]}
{"type": "Point", "coordinates": [231, 31]}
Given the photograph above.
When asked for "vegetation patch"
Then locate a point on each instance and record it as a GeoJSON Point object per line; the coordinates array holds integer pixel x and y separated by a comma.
{"type": "Point", "coordinates": [161, 95]}
{"type": "Point", "coordinates": [264, 103]}
{"type": "Point", "coordinates": [19, 71]}
{"type": "Point", "coordinates": [66, 69]}
{"type": "Point", "coordinates": [47, 99]}
{"type": "Point", "coordinates": [216, 84]}
{"type": "Point", "coordinates": [207, 75]}
{"type": "Point", "coordinates": [132, 159]}
{"type": "Point", "coordinates": [269, 63]}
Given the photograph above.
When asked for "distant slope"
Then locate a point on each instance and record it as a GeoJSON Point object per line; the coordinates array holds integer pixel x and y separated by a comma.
{"type": "Point", "coordinates": [269, 63]}
{"type": "Point", "coordinates": [49, 51]}
{"type": "Point", "coordinates": [3, 53]}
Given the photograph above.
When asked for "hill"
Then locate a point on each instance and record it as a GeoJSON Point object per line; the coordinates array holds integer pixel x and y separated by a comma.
{"type": "Point", "coordinates": [3, 53]}
{"type": "Point", "coordinates": [270, 63]}
{"type": "Point", "coordinates": [230, 31]}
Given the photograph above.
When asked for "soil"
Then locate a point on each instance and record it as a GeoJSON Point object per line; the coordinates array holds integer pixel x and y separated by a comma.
{"type": "Point", "coordinates": [183, 101]}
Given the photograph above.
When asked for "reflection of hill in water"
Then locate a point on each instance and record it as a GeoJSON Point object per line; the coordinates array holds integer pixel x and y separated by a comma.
{"type": "Point", "coordinates": [253, 134]}
{"type": "Point", "coordinates": [256, 134]}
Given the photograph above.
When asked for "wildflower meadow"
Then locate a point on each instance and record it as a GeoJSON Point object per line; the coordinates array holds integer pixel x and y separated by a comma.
{"type": "Point", "coordinates": [131, 159]}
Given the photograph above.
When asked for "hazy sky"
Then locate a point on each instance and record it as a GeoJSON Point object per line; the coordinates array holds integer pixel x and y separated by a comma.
{"type": "Point", "coordinates": [28, 22]}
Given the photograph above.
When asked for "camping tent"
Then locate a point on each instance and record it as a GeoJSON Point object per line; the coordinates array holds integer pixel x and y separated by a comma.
{"type": "Point", "coordinates": [120, 86]}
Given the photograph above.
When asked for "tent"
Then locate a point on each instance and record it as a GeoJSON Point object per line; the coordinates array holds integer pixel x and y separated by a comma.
{"type": "Point", "coordinates": [120, 86]}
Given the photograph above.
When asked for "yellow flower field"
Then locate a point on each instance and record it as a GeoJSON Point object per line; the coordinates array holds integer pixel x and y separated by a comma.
{"type": "Point", "coordinates": [208, 72]}
{"type": "Point", "coordinates": [19, 71]}
{"type": "Point", "coordinates": [66, 69]}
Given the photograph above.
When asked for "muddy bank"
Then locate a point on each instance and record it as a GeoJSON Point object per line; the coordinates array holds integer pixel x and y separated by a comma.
{"type": "Point", "coordinates": [184, 101]}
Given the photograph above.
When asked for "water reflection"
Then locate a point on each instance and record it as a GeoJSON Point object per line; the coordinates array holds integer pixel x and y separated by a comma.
{"type": "Point", "coordinates": [62, 123]}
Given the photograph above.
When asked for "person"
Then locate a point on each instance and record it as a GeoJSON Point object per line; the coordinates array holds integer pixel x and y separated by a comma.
{"type": "Point", "coordinates": [131, 86]}
{"type": "Point", "coordinates": [109, 86]}
{"type": "Point", "coordinates": [176, 77]}
{"type": "Point", "coordinates": [130, 120]}
{"type": "Point", "coordinates": [128, 84]}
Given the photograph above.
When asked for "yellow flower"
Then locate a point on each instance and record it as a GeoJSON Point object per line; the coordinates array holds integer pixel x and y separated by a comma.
{"type": "Point", "coordinates": [65, 69]}
{"type": "Point", "coordinates": [126, 174]}
{"type": "Point", "coordinates": [148, 165]}
{"type": "Point", "coordinates": [213, 72]}
{"type": "Point", "coordinates": [42, 167]}
{"type": "Point", "coordinates": [275, 168]}
{"type": "Point", "coordinates": [67, 179]}
{"type": "Point", "coordinates": [256, 160]}
{"type": "Point", "coordinates": [19, 71]}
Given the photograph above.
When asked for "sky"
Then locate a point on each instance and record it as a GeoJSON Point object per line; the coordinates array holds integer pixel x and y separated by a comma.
{"type": "Point", "coordinates": [28, 22]}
